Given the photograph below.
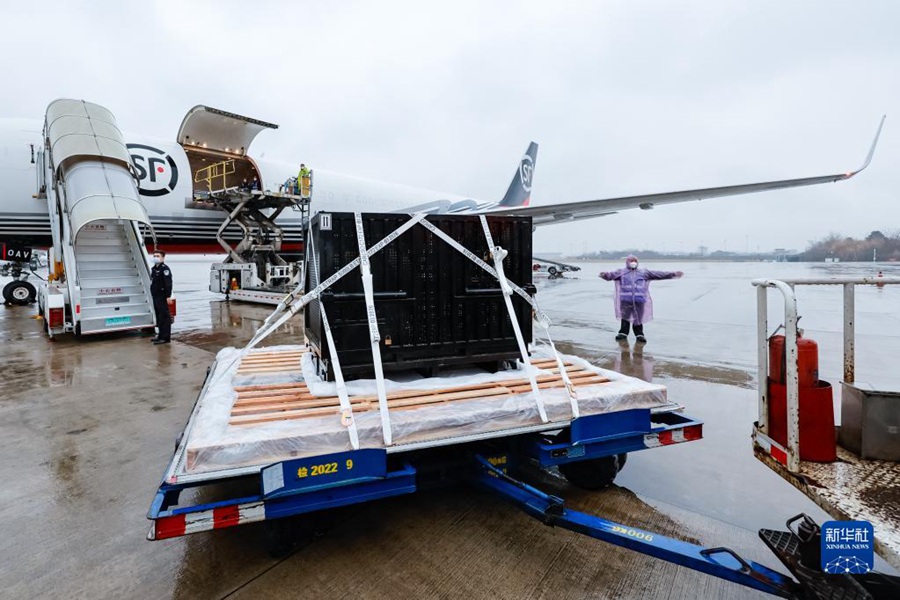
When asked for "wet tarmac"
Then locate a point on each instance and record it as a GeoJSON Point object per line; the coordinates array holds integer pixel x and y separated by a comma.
{"type": "Point", "coordinates": [89, 426]}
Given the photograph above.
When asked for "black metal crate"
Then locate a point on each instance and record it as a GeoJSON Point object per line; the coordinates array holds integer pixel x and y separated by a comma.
{"type": "Point", "coordinates": [434, 306]}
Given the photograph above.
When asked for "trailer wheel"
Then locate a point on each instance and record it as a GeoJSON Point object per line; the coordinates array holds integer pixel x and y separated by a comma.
{"type": "Point", "coordinates": [285, 536]}
{"type": "Point", "coordinates": [552, 271]}
{"type": "Point", "coordinates": [594, 474]}
{"type": "Point", "coordinates": [280, 537]}
{"type": "Point", "coordinates": [19, 293]}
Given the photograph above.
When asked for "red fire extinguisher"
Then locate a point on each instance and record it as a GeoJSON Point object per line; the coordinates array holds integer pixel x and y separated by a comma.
{"type": "Point", "coordinates": [173, 308]}
{"type": "Point", "coordinates": [817, 439]}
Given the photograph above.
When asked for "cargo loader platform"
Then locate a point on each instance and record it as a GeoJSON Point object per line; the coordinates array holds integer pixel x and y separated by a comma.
{"type": "Point", "coordinates": [849, 489]}
{"type": "Point", "coordinates": [857, 486]}
{"type": "Point", "coordinates": [256, 269]}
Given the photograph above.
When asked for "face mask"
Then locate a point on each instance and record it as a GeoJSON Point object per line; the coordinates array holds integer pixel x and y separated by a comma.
{"type": "Point", "coordinates": [156, 260]}
{"type": "Point", "coordinates": [632, 265]}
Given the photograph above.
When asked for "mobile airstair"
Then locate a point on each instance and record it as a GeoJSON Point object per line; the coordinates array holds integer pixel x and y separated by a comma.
{"type": "Point", "coordinates": [98, 276]}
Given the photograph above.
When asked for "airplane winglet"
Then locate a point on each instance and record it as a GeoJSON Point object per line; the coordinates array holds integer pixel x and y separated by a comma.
{"type": "Point", "coordinates": [871, 150]}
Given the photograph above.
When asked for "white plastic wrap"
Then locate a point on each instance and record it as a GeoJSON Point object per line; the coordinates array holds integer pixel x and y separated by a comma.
{"type": "Point", "coordinates": [213, 444]}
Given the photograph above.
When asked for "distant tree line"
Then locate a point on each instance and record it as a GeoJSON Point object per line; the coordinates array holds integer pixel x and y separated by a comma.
{"type": "Point", "coordinates": [704, 256]}
{"type": "Point", "coordinates": [876, 245]}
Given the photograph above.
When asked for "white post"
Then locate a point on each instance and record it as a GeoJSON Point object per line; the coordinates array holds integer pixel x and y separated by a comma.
{"type": "Point", "coordinates": [792, 380]}
{"type": "Point", "coordinates": [762, 352]}
{"type": "Point", "coordinates": [849, 333]}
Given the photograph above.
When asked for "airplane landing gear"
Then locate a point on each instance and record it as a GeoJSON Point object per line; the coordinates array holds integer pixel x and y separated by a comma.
{"type": "Point", "coordinates": [19, 293]}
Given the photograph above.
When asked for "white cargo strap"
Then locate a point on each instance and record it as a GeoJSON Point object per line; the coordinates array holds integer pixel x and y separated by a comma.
{"type": "Point", "coordinates": [544, 321]}
{"type": "Point", "coordinates": [374, 338]}
{"type": "Point", "coordinates": [540, 316]}
{"type": "Point", "coordinates": [293, 307]}
{"type": "Point", "coordinates": [498, 255]}
{"type": "Point", "coordinates": [465, 252]}
{"type": "Point", "coordinates": [347, 419]}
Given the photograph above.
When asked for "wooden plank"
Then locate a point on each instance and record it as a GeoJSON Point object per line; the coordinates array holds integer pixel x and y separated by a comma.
{"type": "Point", "coordinates": [547, 361]}
{"type": "Point", "coordinates": [262, 365]}
{"type": "Point", "coordinates": [448, 397]}
{"type": "Point", "coordinates": [285, 391]}
{"type": "Point", "coordinates": [257, 404]}
{"type": "Point", "coordinates": [268, 370]}
{"type": "Point", "coordinates": [266, 363]}
{"type": "Point", "coordinates": [273, 357]}
{"type": "Point", "coordinates": [559, 383]}
{"type": "Point", "coordinates": [285, 416]}
{"type": "Point", "coordinates": [399, 403]}
{"type": "Point", "coordinates": [282, 406]}
{"type": "Point", "coordinates": [292, 392]}
{"type": "Point", "coordinates": [285, 398]}
{"type": "Point", "coordinates": [398, 399]}
{"type": "Point", "coordinates": [268, 386]}
{"type": "Point", "coordinates": [270, 361]}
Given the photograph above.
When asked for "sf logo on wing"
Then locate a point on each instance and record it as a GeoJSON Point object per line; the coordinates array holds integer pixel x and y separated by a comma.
{"type": "Point", "coordinates": [156, 170]}
{"type": "Point", "coordinates": [526, 170]}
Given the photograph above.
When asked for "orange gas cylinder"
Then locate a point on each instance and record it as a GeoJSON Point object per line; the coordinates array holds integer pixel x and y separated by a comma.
{"type": "Point", "coordinates": [817, 442]}
{"type": "Point", "coordinates": [807, 361]}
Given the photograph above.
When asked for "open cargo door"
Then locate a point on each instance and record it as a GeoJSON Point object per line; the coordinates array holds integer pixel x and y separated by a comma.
{"type": "Point", "coordinates": [219, 130]}
{"type": "Point", "coordinates": [216, 143]}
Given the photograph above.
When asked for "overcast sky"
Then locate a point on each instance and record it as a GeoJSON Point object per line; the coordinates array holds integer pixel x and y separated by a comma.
{"type": "Point", "coordinates": [623, 97]}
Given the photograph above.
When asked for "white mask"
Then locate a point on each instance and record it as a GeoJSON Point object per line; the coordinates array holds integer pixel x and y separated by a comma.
{"type": "Point", "coordinates": [632, 265]}
{"type": "Point", "coordinates": [156, 260]}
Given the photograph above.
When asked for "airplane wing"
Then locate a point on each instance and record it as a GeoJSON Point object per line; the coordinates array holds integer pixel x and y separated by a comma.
{"type": "Point", "coordinates": [589, 209]}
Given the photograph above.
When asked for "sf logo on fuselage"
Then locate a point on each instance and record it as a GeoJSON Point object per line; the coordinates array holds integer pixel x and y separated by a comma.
{"type": "Point", "coordinates": [156, 170]}
{"type": "Point", "coordinates": [526, 170]}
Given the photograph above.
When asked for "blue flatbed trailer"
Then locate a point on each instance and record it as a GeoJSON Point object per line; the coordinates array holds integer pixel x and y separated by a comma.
{"type": "Point", "coordinates": [589, 451]}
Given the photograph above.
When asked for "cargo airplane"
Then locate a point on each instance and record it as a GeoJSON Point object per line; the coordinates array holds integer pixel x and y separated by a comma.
{"type": "Point", "coordinates": [168, 182]}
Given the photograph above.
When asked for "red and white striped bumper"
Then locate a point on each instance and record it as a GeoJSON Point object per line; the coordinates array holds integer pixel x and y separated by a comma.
{"type": "Point", "coordinates": [770, 447]}
{"type": "Point", "coordinates": [216, 518]}
{"type": "Point", "coordinates": [673, 436]}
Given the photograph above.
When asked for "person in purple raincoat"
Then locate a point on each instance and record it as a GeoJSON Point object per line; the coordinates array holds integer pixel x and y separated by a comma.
{"type": "Point", "coordinates": [633, 303]}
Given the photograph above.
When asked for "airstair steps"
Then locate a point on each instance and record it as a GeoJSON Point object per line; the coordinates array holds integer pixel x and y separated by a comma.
{"type": "Point", "coordinates": [114, 295]}
{"type": "Point", "coordinates": [88, 274]}
{"type": "Point", "coordinates": [103, 310]}
{"type": "Point", "coordinates": [104, 281]}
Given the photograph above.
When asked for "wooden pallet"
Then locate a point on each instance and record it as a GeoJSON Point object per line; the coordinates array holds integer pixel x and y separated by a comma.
{"type": "Point", "coordinates": [268, 362]}
{"type": "Point", "coordinates": [267, 403]}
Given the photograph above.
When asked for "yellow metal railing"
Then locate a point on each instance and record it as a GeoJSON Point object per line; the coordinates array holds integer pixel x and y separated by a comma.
{"type": "Point", "coordinates": [213, 172]}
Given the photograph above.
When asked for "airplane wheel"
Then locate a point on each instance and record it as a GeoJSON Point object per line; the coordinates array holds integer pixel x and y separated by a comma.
{"type": "Point", "coordinates": [19, 292]}
{"type": "Point", "coordinates": [592, 474]}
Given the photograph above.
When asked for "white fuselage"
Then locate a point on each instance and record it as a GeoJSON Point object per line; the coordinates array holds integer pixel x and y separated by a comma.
{"type": "Point", "coordinates": [166, 184]}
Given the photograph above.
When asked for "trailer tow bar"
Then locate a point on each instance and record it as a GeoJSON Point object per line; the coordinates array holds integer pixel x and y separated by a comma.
{"type": "Point", "coordinates": [719, 562]}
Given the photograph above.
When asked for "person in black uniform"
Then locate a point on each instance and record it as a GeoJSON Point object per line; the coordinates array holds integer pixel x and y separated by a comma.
{"type": "Point", "coordinates": [160, 290]}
